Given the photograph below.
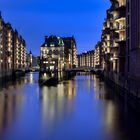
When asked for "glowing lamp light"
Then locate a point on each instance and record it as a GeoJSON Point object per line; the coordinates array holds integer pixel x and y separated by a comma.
{"type": "Point", "coordinates": [111, 59]}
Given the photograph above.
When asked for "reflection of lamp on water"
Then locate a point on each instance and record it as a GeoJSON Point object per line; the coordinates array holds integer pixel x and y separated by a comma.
{"type": "Point", "coordinates": [45, 76]}
{"type": "Point", "coordinates": [52, 74]}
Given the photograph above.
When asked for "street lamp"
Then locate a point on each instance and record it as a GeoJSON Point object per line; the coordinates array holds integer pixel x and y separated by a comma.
{"type": "Point", "coordinates": [111, 59]}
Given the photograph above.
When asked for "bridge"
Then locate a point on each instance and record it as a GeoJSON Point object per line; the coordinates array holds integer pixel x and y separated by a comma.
{"type": "Point", "coordinates": [86, 69]}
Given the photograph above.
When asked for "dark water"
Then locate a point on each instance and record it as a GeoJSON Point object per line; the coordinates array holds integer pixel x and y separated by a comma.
{"type": "Point", "coordinates": [83, 108]}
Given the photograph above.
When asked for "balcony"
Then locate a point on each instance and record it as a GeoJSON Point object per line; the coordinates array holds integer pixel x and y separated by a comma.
{"type": "Point", "coordinates": [120, 15]}
{"type": "Point", "coordinates": [106, 31]}
{"type": "Point", "coordinates": [120, 40]}
{"type": "Point", "coordinates": [121, 3]}
{"type": "Point", "coordinates": [120, 28]}
{"type": "Point", "coordinates": [114, 45]}
{"type": "Point", "coordinates": [114, 52]}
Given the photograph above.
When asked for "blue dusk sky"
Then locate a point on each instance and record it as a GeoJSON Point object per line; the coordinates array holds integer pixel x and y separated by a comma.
{"type": "Point", "coordinates": [36, 18]}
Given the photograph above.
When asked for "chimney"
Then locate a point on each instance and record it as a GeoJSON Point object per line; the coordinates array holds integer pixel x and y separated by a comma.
{"type": "Point", "coordinates": [46, 38]}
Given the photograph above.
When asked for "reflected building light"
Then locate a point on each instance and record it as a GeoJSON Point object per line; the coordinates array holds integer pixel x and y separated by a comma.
{"type": "Point", "coordinates": [53, 102]}
{"type": "Point", "coordinates": [45, 74]}
{"type": "Point", "coordinates": [8, 110]}
{"type": "Point", "coordinates": [31, 78]}
{"type": "Point", "coordinates": [110, 116]}
{"type": "Point", "coordinates": [25, 81]}
{"type": "Point", "coordinates": [61, 90]}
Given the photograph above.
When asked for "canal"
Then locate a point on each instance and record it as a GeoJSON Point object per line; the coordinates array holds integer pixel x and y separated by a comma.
{"type": "Point", "coordinates": [83, 108]}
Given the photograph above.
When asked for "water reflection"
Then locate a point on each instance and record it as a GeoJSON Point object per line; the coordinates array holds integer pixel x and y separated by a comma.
{"type": "Point", "coordinates": [101, 91]}
{"type": "Point", "coordinates": [9, 107]}
{"type": "Point", "coordinates": [83, 108]}
{"type": "Point", "coordinates": [10, 103]}
{"type": "Point", "coordinates": [11, 85]}
{"type": "Point", "coordinates": [57, 102]}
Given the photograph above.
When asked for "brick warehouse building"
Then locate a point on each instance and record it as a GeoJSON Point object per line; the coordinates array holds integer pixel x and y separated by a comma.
{"type": "Point", "coordinates": [133, 44]}
{"type": "Point", "coordinates": [12, 50]}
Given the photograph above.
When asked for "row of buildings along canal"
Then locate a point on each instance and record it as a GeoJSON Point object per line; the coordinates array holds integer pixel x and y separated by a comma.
{"type": "Point", "coordinates": [118, 51]}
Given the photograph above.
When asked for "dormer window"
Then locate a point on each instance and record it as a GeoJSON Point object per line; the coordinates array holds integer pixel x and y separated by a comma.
{"type": "Point", "coordinates": [52, 45]}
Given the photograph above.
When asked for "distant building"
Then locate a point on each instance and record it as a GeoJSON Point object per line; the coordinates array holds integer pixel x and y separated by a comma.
{"type": "Point", "coordinates": [70, 52]}
{"type": "Point", "coordinates": [22, 53]}
{"type": "Point", "coordinates": [30, 59]}
{"type": "Point", "coordinates": [86, 59]}
{"type": "Point", "coordinates": [38, 60]}
{"type": "Point", "coordinates": [33, 62]}
{"type": "Point", "coordinates": [92, 58]}
{"type": "Point", "coordinates": [52, 54]}
{"type": "Point", "coordinates": [98, 55]}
